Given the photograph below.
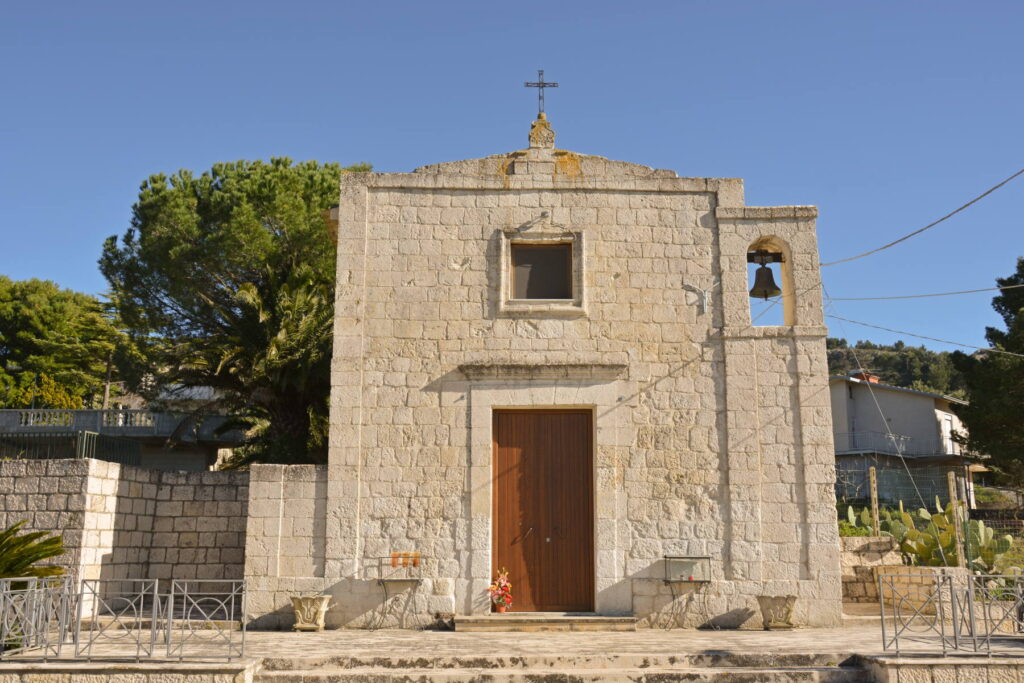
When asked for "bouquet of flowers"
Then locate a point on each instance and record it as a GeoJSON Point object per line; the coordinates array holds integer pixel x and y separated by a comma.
{"type": "Point", "coordinates": [500, 591]}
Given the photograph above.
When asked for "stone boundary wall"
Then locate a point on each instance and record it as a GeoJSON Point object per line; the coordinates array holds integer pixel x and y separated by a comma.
{"type": "Point", "coordinates": [859, 556]}
{"type": "Point", "coordinates": [48, 495]}
{"type": "Point", "coordinates": [285, 539]}
{"type": "Point", "coordinates": [119, 521]}
{"type": "Point", "coordinates": [893, 669]}
{"type": "Point", "coordinates": [199, 526]}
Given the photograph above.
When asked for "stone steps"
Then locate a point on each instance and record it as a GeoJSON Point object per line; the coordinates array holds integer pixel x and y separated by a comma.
{"type": "Point", "coordinates": [736, 668]}
{"type": "Point", "coordinates": [541, 621]}
{"type": "Point", "coordinates": [612, 675]}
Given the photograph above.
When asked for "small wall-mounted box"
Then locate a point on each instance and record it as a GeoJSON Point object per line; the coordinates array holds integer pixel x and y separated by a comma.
{"type": "Point", "coordinates": [687, 569]}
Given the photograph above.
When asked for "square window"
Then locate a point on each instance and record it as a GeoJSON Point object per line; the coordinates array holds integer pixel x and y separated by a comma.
{"type": "Point", "coordinates": [542, 271]}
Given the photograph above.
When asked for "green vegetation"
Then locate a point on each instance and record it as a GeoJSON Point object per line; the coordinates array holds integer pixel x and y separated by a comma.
{"type": "Point", "coordinates": [900, 365]}
{"type": "Point", "coordinates": [992, 499]}
{"type": "Point", "coordinates": [1012, 561]}
{"type": "Point", "coordinates": [20, 553]}
{"type": "Point", "coordinates": [929, 539]}
{"type": "Point", "coordinates": [226, 280]}
{"type": "Point", "coordinates": [995, 387]}
{"type": "Point", "coordinates": [56, 346]}
{"type": "Point", "coordinates": [846, 529]}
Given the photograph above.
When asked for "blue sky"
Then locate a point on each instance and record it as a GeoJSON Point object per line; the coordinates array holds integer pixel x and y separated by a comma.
{"type": "Point", "coordinates": [886, 115]}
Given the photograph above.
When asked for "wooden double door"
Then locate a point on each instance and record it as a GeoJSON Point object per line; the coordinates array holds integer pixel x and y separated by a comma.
{"type": "Point", "coordinates": [543, 510]}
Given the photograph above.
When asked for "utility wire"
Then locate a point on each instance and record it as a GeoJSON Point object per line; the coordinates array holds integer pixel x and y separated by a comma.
{"type": "Point", "coordinates": [888, 429]}
{"type": "Point", "coordinates": [930, 225]}
{"type": "Point", "coordinates": [921, 336]}
{"type": "Point", "coordinates": [922, 296]}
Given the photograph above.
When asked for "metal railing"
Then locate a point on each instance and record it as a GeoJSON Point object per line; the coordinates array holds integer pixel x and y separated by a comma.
{"type": "Point", "coordinates": [122, 614]}
{"type": "Point", "coordinates": [205, 616]}
{"type": "Point", "coordinates": [56, 445]}
{"type": "Point", "coordinates": [135, 423]}
{"type": "Point", "coordinates": [34, 615]}
{"type": "Point", "coordinates": [122, 619]}
{"type": "Point", "coordinates": [952, 612]}
{"type": "Point", "coordinates": [894, 444]}
{"type": "Point", "coordinates": [872, 442]}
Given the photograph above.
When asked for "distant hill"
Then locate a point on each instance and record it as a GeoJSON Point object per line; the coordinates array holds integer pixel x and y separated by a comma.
{"type": "Point", "coordinates": [904, 366]}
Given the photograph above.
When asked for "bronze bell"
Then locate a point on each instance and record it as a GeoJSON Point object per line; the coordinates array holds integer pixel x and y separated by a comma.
{"type": "Point", "coordinates": [764, 284]}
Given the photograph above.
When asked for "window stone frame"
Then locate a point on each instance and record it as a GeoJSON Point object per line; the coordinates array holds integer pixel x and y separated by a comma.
{"type": "Point", "coordinates": [541, 308]}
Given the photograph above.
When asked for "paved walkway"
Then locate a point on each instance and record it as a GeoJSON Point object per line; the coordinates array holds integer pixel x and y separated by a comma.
{"type": "Point", "coordinates": [862, 639]}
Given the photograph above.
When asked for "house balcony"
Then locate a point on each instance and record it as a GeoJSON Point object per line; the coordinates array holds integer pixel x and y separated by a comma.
{"type": "Point", "coordinates": [884, 443]}
{"type": "Point", "coordinates": [136, 424]}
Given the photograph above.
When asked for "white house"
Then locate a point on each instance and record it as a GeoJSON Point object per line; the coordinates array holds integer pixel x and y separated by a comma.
{"type": "Point", "coordinates": [874, 424]}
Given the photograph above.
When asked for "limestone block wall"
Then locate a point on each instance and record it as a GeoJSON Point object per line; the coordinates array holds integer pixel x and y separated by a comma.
{"type": "Point", "coordinates": [285, 539]}
{"type": "Point", "coordinates": [119, 521]}
{"type": "Point", "coordinates": [126, 522]}
{"type": "Point", "coordinates": [199, 525]}
{"type": "Point", "coordinates": [49, 495]}
{"type": "Point", "coordinates": [860, 556]}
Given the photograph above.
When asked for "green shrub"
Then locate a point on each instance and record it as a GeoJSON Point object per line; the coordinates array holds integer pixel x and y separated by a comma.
{"type": "Point", "coordinates": [991, 499]}
{"type": "Point", "coordinates": [847, 529]}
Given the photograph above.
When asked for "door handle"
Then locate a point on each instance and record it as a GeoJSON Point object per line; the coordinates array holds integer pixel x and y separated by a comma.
{"type": "Point", "coordinates": [524, 536]}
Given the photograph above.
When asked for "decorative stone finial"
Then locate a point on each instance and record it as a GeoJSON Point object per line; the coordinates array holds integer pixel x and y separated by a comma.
{"type": "Point", "coordinates": [541, 134]}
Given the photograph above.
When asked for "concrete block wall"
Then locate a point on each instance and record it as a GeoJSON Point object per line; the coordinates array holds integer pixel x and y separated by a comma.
{"type": "Point", "coordinates": [126, 522]}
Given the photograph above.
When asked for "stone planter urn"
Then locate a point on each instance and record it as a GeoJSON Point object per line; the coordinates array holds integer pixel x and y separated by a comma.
{"type": "Point", "coordinates": [776, 611]}
{"type": "Point", "coordinates": [310, 611]}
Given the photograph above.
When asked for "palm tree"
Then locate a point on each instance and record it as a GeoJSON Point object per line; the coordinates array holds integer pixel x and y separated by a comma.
{"type": "Point", "coordinates": [20, 552]}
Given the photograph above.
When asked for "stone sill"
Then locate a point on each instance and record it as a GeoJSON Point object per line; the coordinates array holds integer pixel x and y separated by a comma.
{"type": "Point", "coordinates": [769, 331]}
{"type": "Point", "coordinates": [542, 308]}
{"type": "Point", "coordinates": [579, 371]}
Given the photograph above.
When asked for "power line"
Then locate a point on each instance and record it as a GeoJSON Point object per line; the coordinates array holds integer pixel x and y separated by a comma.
{"type": "Point", "coordinates": [888, 427]}
{"type": "Point", "coordinates": [930, 225]}
{"type": "Point", "coordinates": [922, 296]}
{"type": "Point", "coordinates": [921, 336]}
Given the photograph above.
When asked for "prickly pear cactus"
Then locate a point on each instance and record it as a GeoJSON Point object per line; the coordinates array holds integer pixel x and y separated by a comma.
{"type": "Point", "coordinates": [929, 539]}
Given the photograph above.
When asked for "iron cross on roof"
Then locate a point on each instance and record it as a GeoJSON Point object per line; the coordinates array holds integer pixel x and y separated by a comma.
{"type": "Point", "coordinates": [540, 84]}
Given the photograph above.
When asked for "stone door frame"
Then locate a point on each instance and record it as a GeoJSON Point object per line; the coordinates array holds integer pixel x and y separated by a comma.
{"type": "Point", "coordinates": [610, 401]}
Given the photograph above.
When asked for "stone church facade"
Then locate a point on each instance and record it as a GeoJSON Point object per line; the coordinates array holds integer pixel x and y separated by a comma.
{"type": "Point", "coordinates": [544, 361]}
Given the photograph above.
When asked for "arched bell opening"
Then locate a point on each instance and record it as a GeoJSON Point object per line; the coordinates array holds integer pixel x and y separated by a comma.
{"type": "Point", "coordinates": [769, 274]}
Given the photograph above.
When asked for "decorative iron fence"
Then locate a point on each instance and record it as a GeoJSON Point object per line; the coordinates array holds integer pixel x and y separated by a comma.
{"type": "Point", "coordinates": [34, 615]}
{"type": "Point", "coordinates": [204, 617]}
{"type": "Point", "coordinates": [952, 611]}
{"type": "Point", "coordinates": [122, 614]}
{"type": "Point", "coordinates": [122, 619]}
